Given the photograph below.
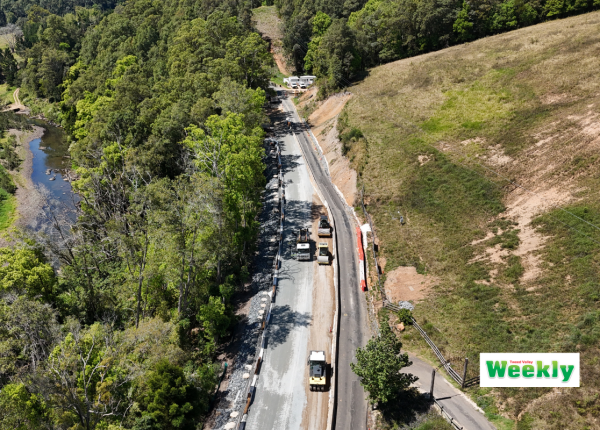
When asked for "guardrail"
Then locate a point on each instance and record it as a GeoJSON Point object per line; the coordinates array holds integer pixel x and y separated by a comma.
{"type": "Point", "coordinates": [447, 416]}
{"type": "Point", "coordinates": [453, 374]}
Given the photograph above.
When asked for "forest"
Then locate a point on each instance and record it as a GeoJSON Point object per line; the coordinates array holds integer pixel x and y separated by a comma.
{"type": "Point", "coordinates": [16, 11]}
{"type": "Point", "coordinates": [116, 320]}
{"type": "Point", "coordinates": [338, 40]}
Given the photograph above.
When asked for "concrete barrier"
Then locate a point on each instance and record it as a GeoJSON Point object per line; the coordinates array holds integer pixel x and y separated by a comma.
{"type": "Point", "coordinates": [361, 259]}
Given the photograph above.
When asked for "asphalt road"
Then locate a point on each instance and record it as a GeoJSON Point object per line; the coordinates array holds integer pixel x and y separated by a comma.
{"type": "Point", "coordinates": [351, 406]}
{"type": "Point", "coordinates": [453, 401]}
{"type": "Point", "coordinates": [281, 390]}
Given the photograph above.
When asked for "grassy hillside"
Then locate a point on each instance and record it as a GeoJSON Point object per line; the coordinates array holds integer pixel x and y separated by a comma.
{"type": "Point", "coordinates": [490, 150]}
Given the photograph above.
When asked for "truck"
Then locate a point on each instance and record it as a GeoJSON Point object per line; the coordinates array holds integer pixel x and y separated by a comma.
{"type": "Point", "coordinates": [303, 246]}
{"type": "Point", "coordinates": [317, 371]}
{"type": "Point", "coordinates": [324, 229]}
{"type": "Point", "coordinates": [323, 254]}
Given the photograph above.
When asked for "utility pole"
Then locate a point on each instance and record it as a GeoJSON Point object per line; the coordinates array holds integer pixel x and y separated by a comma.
{"type": "Point", "coordinates": [447, 363]}
{"type": "Point", "coordinates": [465, 373]}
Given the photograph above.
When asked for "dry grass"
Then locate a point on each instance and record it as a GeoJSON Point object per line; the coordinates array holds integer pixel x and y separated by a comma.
{"type": "Point", "coordinates": [447, 133]}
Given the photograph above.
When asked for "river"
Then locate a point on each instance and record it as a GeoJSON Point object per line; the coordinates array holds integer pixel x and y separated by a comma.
{"type": "Point", "coordinates": [50, 159]}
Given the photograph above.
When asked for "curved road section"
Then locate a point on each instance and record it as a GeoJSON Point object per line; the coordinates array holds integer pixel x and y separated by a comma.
{"type": "Point", "coordinates": [350, 405]}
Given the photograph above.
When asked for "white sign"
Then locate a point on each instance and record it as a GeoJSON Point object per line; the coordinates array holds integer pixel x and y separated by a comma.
{"type": "Point", "coordinates": [517, 369]}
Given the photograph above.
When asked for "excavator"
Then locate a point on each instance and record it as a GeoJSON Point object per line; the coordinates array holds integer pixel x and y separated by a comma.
{"type": "Point", "coordinates": [317, 371]}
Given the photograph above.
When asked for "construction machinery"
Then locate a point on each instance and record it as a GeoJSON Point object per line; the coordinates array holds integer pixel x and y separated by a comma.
{"type": "Point", "coordinates": [317, 371]}
{"type": "Point", "coordinates": [323, 254]}
{"type": "Point", "coordinates": [324, 227]}
{"type": "Point", "coordinates": [303, 246]}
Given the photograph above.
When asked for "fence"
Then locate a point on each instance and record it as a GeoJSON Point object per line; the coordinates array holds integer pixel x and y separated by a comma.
{"type": "Point", "coordinates": [447, 416]}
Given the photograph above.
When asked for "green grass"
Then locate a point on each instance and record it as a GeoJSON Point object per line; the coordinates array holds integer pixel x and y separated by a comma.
{"type": "Point", "coordinates": [277, 77]}
{"type": "Point", "coordinates": [442, 136]}
{"type": "Point", "coordinates": [6, 93]}
{"type": "Point", "coordinates": [7, 211]}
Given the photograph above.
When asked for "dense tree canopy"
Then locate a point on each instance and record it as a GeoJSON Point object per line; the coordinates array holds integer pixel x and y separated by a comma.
{"type": "Point", "coordinates": [13, 11]}
{"type": "Point", "coordinates": [377, 31]}
{"type": "Point", "coordinates": [162, 102]}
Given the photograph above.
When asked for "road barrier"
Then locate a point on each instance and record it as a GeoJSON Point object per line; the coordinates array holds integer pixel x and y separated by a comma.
{"type": "Point", "coordinates": [361, 259]}
{"type": "Point", "coordinates": [447, 416]}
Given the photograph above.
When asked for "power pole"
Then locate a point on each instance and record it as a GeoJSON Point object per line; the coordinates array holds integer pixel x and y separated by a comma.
{"type": "Point", "coordinates": [465, 373]}
{"type": "Point", "coordinates": [432, 381]}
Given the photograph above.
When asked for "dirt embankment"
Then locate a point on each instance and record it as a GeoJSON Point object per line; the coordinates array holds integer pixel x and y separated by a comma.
{"type": "Point", "coordinates": [323, 123]}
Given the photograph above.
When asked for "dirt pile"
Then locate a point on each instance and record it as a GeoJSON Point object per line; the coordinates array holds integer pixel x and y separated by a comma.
{"type": "Point", "coordinates": [404, 283]}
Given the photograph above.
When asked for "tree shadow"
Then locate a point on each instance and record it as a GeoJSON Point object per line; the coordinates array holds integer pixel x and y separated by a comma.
{"type": "Point", "coordinates": [406, 408]}
{"type": "Point", "coordinates": [297, 215]}
{"type": "Point", "coordinates": [289, 162]}
{"type": "Point", "coordinates": [283, 320]}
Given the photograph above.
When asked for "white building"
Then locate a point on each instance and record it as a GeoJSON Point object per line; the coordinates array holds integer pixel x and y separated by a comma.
{"type": "Point", "coordinates": [307, 81]}
{"type": "Point", "coordinates": [292, 81]}
{"type": "Point", "coordinates": [299, 82]}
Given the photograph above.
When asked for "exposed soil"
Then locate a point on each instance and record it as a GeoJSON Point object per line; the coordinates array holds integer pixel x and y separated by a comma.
{"type": "Point", "coordinates": [323, 308]}
{"type": "Point", "coordinates": [268, 24]}
{"type": "Point", "coordinates": [523, 207]}
{"type": "Point", "coordinates": [323, 122]}
{"type": "Point", "coordinates": [29, 200]}
{"type": "Point", "coordinates": [404, 283]}
{"type": "Point", "coordinates": [17, 105]}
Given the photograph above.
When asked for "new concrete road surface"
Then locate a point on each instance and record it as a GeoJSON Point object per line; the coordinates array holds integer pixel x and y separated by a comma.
{"type": "Point", "coordinates": [351, 406]}
{"type": "Point", "coordinates": [453, 401]}
{"type": "Point", "coordinates": [281, 390]}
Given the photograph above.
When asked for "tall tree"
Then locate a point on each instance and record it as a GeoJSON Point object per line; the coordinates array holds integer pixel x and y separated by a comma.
{"type": "Point", "coordinates": [378, 366]}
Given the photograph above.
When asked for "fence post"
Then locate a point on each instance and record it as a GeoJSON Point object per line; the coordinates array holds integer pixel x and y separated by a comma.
{"type": "Point", "coordinates": [432, 381]}
{"type": "Point", "coordinates": [465, 373]}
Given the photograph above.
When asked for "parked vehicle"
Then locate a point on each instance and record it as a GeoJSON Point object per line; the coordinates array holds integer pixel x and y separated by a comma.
{"type": "Point", "coordinates": [317, 371]}
{"type": "Point", "coordinates": [303, 246]}
{"type": "Point", "coordinates": [325, 229]}
{"type": "Point", "coordinates": [323, 254]}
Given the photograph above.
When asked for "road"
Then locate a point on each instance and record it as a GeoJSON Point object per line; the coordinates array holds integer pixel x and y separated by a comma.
{"type": "Point", "coordinates": [351, 406]}
{"type": "Point", "coordinates": [281, 391]}
{"type": "Point", "coordinates": [453, 401]}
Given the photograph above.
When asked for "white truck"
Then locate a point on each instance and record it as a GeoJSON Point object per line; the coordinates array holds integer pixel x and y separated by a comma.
{"type": "Point", "coordinates": [303, 246]}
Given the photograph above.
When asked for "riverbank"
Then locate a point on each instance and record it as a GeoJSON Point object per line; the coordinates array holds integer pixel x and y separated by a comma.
{"type": "Point", "coordinates": [29, 200]}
